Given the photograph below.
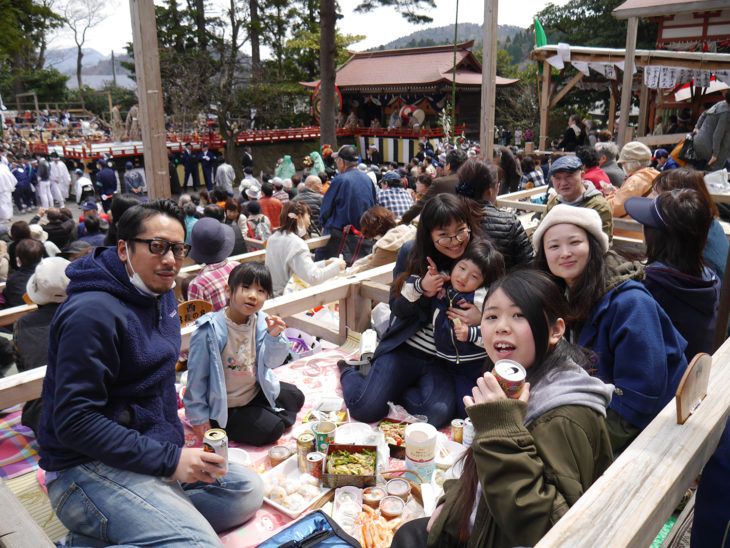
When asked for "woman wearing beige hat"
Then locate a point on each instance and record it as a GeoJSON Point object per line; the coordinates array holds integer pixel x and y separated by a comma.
{"type": "Point", "coordinates": [635, 158]}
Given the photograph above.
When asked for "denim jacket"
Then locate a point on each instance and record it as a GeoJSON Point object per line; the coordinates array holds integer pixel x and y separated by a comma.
{"type": "Point", "coordinates": [205, 395]}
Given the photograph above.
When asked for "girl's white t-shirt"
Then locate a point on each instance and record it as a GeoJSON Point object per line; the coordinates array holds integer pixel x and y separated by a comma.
{"type": "Point", "coordinates": [239, 362]}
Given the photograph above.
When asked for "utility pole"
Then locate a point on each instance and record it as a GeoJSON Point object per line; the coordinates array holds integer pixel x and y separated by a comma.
{"type": "Point", "coordinates": [114, 70]}
{"type": "Point", "coordinates": [489, 78]}
{"type": "Point", "coordinates": [149, 92]}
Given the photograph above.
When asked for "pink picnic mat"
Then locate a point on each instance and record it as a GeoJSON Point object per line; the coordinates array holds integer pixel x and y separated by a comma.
{"type": "Point", "coordinates": [18, 448]}
{"type": "Point", "coordinates": [315, 376]}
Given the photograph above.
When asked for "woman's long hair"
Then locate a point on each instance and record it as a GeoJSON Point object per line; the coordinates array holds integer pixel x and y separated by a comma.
{"type": "Point", "coordinates": [542, 303]}
{"type": "Point", "coordinates": [688, 218]}
{"type": "Point", "coordinates": [590, 287]}
{"type": "Point", "coordinates": [512, 171]}
{"type": "Point", "coordinates": [438, 212]}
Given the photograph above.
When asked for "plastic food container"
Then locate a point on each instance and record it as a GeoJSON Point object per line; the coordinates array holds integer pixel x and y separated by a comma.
{"type": "Point", "coordinates": [391, 507]}
{"type": "Point", "coordinates": [399, 487]}
{"type": "Point", "coordinates": [373, 495]}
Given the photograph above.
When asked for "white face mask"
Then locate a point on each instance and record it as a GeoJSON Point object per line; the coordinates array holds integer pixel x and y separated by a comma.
{"type": "Point", "coordinates": [301, 230]}
{"type": "Point", "coordinates": [136, 280]}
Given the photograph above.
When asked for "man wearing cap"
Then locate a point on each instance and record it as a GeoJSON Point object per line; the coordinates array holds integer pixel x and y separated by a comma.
{"type": "Point", "coordinates": [212, 243]}
{"type": "Point", "coordinates": [664, 161]}
{"type": "Point", "coordinates": [635, 158]}
{"type": "Point", "coordinates": [566, 174]}
{"type": "Point", "coordinates": [393, 196]}
{"type": "Point", "coordinates": [350, 194]}
{"type": "Point", "coordinates": [190, 163]}
{"type": "Point", "coordinates": [133, 180]}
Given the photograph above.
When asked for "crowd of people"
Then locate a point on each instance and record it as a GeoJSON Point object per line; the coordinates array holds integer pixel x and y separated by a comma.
{"type": "Point", "coordinates": [604, 338]}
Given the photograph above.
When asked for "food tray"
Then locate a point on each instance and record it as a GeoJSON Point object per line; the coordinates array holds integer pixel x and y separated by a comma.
{"type": "Point", "coordinates": [396, 451]}
{"type": "Point", "coordinates": [340, 480]}
{"type": "Point", "coordinates": [290, 469]}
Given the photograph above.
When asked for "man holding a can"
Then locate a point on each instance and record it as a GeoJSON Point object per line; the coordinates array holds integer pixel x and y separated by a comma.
{"type": "Point", "coordinates": [111, 442]}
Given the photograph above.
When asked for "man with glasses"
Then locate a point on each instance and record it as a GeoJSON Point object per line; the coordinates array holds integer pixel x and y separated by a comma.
{"type": "Point", "coordinates": [111, 442]}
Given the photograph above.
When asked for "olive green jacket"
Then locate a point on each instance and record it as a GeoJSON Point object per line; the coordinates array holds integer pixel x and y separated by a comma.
{"type": "Point", "coordinates": [592, 199]}
{"type": "Point", "coordinates": [529, 476]}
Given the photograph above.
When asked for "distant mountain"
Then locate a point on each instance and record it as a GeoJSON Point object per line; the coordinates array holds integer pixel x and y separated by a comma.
{"type": "Point", "coordinates": [445, 35]}
{"type": "Point", "coordinates": [96, 69]}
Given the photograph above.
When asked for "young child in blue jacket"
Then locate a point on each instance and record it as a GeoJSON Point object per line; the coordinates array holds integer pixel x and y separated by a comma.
{"type": "Point", "coordinates": [455, 342]}
{"type": "Point", "coordinates": [231, 383]}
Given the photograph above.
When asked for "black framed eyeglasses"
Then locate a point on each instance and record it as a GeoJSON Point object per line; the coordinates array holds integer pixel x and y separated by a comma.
{"type": "Point", "coordinates": [460, 236]}
{"type": "Point", "coordinates": [159, 246]}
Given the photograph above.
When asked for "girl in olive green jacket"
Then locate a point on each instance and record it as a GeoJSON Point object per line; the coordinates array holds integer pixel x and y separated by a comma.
{"type": "Point", "coordinates": [534, 456]}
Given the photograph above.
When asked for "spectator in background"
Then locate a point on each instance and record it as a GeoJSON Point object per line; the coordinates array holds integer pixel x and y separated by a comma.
{"type": "Point", "coordinates": [120, 204]}
{"type": "Point", "coordinates": [270, 206]}
{"type": "Point", "coordinates": [211, 244]}
{"type": "Point", "coordinates": [60, 179]}
{"type": "Point", "coordinates": [93, 233]}
{"type": "Point", "coordinates": [19, 230]}
{"type": "Point", "coordinates": [190, 162]}
{"type": "Point", "coordinates": [592, 172]}
{"type": "Point", "coordinates": [47, 289]}
{"type": "Point", "coordinates": [133, 180]}
{"type": "Point", "coordinates": [60, 229]}
{"type": "Point", "coordinates": [28, 254]}
{"type": "Point", "coordinates": [106, 182]}
{"type": "Point", "coordinates": [279, 192]}
{"type": "Point", "coordinates": [206, 159]}
{"type": "Point", "coordinates": [531, 176]}
{"type": "Point", "coordinates": [663, 160]}
{"type": "Point", "coordinates": [607, 155]}
{"type": "Point", "coordinates": [89, 207]}
{"type": "Point", "coordinates": [635, 158]}
{"type": "Point", "coordinates": [378, 224]}
{"type": "Point", "coordinates": [219, 214]}
{"type": "Point", "coordinates": [224, 174]}
{"type": "Point", "coordinates": [312, 196]}
{"type": "Point", "coordinates": [190, 219]}
{"type": "Point", "coordinates": [259, 226]}
{"type": "Point", "coordinates": [37, 233]}
{"type": "Point", "coordinates": [393, 196]}
{"type": "Point", "coordinates": [712, 136]}
{"type": "Point", "coordinates": [234, 217]}
{"type": "Point", "coordinates": [423, 183]}
{"type": "Point", "coordinates": [447, 183]}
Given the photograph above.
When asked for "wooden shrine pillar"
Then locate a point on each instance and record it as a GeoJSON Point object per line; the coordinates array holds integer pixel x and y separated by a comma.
{"type": "Point", "coordinates": [633, 24]}
{"type": "Point", "coordinates": [545, 106]}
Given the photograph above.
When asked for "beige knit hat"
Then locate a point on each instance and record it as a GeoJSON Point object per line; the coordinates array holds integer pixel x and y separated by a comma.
{"type": "Point", "coordinates": [634, 152]}
{"type": "Point", "coordinates": [587, 219]}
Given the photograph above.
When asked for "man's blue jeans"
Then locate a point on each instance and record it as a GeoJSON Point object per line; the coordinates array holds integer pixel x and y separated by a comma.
{"type": "Point", "coordinates": [105, 506]}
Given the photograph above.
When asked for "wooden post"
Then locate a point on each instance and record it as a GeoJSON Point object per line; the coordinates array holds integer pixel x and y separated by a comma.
{"type": "Point", "coordinates": [149, 91]}
{"type": "Point", "coordinates": [625, 111]}
{"type": "Point", "coordinates": [641, 130]}
{"type": "Point", "coordinates": [545, 106]}
{"type": "Point", "coordinates": [613, 90]}
{"type": "Point", "coordinates": [489, 77]}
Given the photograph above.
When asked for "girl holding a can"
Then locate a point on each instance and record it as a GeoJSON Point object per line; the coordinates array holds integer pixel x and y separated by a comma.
{"type": "Point", "coordinates": [231, 384]}
{"type": "Point", "coordinates": [532, 456]}
{"type": "Point", "coordinates": [613, 314]}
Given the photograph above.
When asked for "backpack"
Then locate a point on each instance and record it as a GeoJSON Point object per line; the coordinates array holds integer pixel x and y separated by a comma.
{"type": "Point", "coordinates": [258, 229]}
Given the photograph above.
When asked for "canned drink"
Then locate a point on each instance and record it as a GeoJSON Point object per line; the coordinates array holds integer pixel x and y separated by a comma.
{"type": "Point", "coordinates": [314, 464]}
{"type": "Point", "coordinates": [278, 454]}
{"type": "Point", "coordinates": [305, 445]}
{"type": "Point", "coordinates": [216, 441]}
{"type": "Point", "coordinates": [468, 435]}
{"type": "Point", "coordinates": [511, 377]}
{"type": "Point", "coordinates": [457, 430]}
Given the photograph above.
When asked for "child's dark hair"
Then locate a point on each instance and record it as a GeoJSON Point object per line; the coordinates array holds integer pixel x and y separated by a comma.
{"type": "Point", "coordinates": [489, 261]}
{"type": "Point", "coordinates": [540, 300]}
{"type": "Point", "coordinates": [250, 273]}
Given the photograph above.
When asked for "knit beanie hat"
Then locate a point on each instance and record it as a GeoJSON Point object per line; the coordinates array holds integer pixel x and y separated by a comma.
{"type": "Point", "coordinates": [587, 219]}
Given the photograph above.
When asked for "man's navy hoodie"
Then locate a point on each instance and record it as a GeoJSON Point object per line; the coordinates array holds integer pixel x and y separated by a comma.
{"type": "Point", "coordinates": [109, 392]}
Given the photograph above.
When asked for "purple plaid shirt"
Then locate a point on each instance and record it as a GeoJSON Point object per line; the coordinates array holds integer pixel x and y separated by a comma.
{"type": "Point", "coordinates": [210, 284]}
{"type": "Point", "coordinates": [398, 200]}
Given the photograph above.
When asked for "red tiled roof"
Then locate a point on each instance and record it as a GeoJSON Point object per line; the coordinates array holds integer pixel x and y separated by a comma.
{"type": "Point", "coordinates": [411, 67]}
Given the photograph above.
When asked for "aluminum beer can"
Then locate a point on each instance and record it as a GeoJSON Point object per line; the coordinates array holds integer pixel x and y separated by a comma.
{"type": "Point", "coordinates": [511, 377]}
{"type": "Point", "coordinates": [305, 445]}
{"type": "Point", "coordinates": [314, 464]}
{"type": "Point", "coordinates": [457, 430]}
{"type": "Point", "coordinates": [216, 441]}
{"type": "Point", "coordinates": [468, 435]}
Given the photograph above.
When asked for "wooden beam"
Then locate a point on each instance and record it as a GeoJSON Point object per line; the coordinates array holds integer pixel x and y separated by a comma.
{"type": "Point", "coordinates": [628, 80]}
{"type": "Point", "coordinates": [667, 139]}
{"type": "Point", "coordinates": [149, 91]}
{"type": "Point", "coordinates": [566, 88]}
{"type": "Point", "coordinates": [21, 387]}
{"type": "Point", "coordinates": [489, 74]}
{"type": "Point", "coordinates": [17, 526]}
{"type": "Point", "coordinates": [375, 291]}
{"type": "Point", "coordinates": [643, 110]}
{"type": "Point", "coordinates": [312, 327]}
{"type": "Point", "coordinates": [545, 106]}
{"type": "Point", "coordinates": [634, 497]}
{"type": "Point", "coordinates": [9, 315]}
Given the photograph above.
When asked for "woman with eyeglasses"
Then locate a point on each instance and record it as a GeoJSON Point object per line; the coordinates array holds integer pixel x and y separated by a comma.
{"type": "Point", "coordinates": [405, 368]}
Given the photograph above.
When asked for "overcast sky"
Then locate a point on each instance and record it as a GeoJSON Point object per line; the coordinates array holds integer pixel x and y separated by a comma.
{"type": "Point", "coordinates": [381, 26]}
